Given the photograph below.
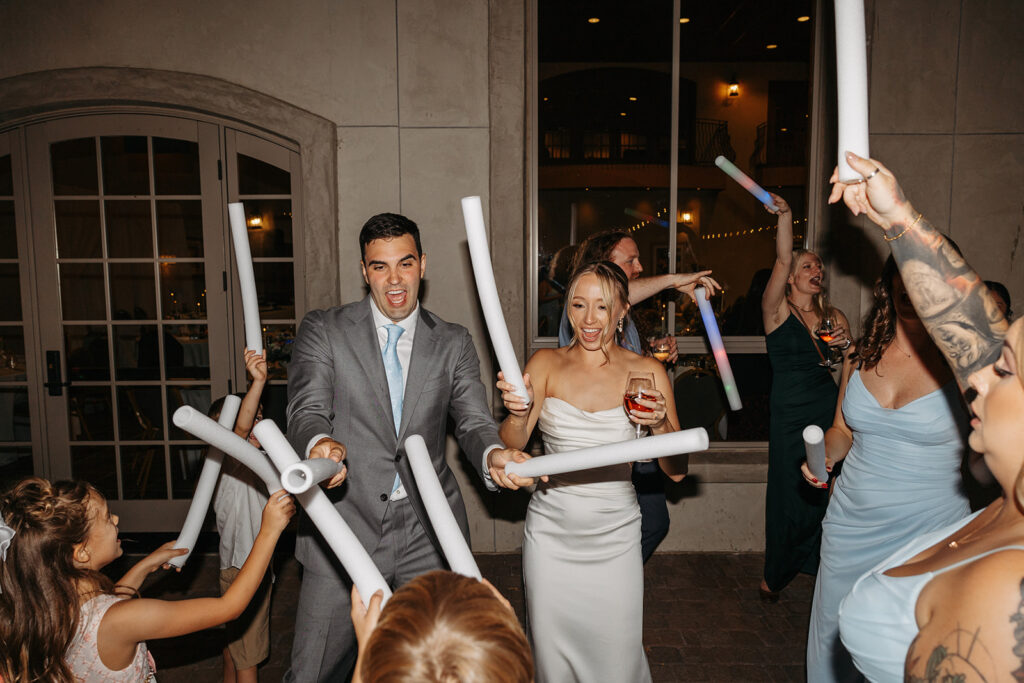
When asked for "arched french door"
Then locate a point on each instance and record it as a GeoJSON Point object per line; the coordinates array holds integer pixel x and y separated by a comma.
{"type": "Point", "coordinates": [133, 308]}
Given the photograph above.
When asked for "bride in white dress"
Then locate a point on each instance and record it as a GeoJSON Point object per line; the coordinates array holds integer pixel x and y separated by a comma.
{"type": "Point", "coordinates": [581, 552]}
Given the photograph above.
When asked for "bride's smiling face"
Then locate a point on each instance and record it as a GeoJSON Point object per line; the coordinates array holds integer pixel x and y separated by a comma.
{"type": "Point", "coordinates": [593, 320]}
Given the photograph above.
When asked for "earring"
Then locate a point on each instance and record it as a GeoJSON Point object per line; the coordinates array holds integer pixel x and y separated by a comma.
{"type": "Point", "coordinates": [620, 324]}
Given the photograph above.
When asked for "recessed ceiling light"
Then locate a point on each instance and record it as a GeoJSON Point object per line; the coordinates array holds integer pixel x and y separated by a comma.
{"type": "Point", "coordinates": [632, 99]}
{"type": "Point", "coordinates": [803, 18]}
{"type": "Point", "coordinates": [684, 20]}
{"type": "Point", "coordinates": [622, 113]}
{"type": "Point", "coordinates": [545, 99]}
{"type": "Point", "coordinates": [593, 20]}
{"type": "Point", "coordinates": [770, 46]}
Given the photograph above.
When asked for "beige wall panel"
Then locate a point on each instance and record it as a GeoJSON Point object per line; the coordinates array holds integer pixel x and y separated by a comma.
{"type": "Point", "coordinates": [720, 517]}
{"type": "Point", "coordinates": [987, 220]}
{"type": "Point", "coordinates": [912, 66]}
{"type": "Point", "coordinates": [335, 59]}
{"type": "Point", "coordinates": [924, 166]}
{"type": "Point", "coordinates": [991, 62]}
{"type": "Point", "coordinates": [442, 78]}
{"type": "Point", "coordinates": [368, 184]}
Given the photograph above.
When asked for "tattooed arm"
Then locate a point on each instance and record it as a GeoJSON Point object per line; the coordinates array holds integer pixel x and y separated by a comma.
{"type": "Point", "coordinates": [952, 300]}
{"type": "Point", "coordinates": [972, 624]}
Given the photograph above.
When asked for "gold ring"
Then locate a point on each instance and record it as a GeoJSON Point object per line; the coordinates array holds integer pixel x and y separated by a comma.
{"type": "Point", "coordinates": [872, 174]}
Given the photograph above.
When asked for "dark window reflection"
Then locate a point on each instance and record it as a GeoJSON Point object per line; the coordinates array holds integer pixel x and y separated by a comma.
{"type": "Point", "coordinates": [140, 413]}
{"type": "Point", "coordinates": [183, 290]}
{"type": "Point", "coordinates": [275, 287]}
{"type": "Point", "coordinates": [132, 291]}
{"type": "Point", "coordinates": [125, 164]}
{"type": "Point", "coordinates": [8, 232]}
{"type": "Point", "coordinates": [85, 347]}
{"type": "Point", "coordinates": [129, 229]}
{"type": "Point", "coordinates": [10, 286]}
{"type": "Point", "coordinates": [90, 414]}
{"type": "Point", "coordinates": [14, 418]}
{"type": "Point", "coordinates": [270, 227]}
{"type": "Point", "coordinates": [259, 177]}
{"type": "Point", "coordinates": [78, 228]}
{"type": "Point", "coordinates": [6, 176]}
{"type": "Point", "coordinates": [143, 474]}
{"type": "Point", "coordinates": [74, 167]}
{"type": "Point", "coordinates": [95, 464]}
{"type": "Point", "coordinates": [279, 340]}
{"type": "Point", "coordinates": [136, 352]}
{"type": "Point", "coordinates": [15, 465]}
{"type": "Point", "coordinates": [197, 396]}
{"type": "Point", "coordinates": [186, 465]}
{"type": "Point", "coordinates": [179, 228]}
{"type": "Point", "coordinates": [176, 166]}
{"type": "Point", "coordinates": [187, 351]}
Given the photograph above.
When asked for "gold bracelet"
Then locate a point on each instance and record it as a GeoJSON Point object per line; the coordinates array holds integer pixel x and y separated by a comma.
{"type": "Point", "coordinates": [905, 230]}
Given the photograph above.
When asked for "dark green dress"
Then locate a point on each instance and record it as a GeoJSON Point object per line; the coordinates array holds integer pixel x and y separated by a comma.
{"type": "Point", "coordinates": [803, 393]}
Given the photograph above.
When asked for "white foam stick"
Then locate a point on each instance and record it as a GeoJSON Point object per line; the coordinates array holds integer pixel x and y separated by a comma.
{"type": "Point", "coordinates": [480, 255]}
{"type": "Point", "coordinates": [302, 476]}
{"type": "Point", "coordinates": [202, 427]}
{"type": "Point", "coordinates": [325, 517]}
{"type": "Point", "coordinates": [205, 486]}
{"type": "Point", "coordinates": [852, 85]}
{"type": "Point", "coordinates": [718, 349]}
{"type": "Point", "coordinates": [674, 443]}
{"type": "Point", "coordinates": [449, 535]}
{"type": "Point", "coordinates": [246, 278]}
{"type": "Point", "coordinates": [814, 444]}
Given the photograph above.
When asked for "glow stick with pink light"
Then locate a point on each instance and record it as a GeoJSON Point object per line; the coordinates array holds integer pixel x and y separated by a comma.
{"type": "Point", "coordinates": [851, 85]}
{"type": "Point", "coordinates": [325, 517]}
{"type": "Point", "coordinates": [447, 530]}
{"type": "Point", "coordinates": [659, 446]}
{"type": "Point", "coordinates": [814, 445]}
{"type": "Point", "coordinates": [746, 182]}
{"type": "Point", "coordinates": [302, 476]}
{"type": "Point", "coordinates": [246, 277]}
{"type": "Point", "coordinates": [480, 255]}
{"type": "Point", "coordinates": [718, 348]}
{"type": "Point", "coordinates": [205, 486]}
{"type": "Point", "coordinates": [202, 427]}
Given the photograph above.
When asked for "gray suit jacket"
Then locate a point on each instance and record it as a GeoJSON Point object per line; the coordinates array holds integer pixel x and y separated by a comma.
{"type": "Point", "coordinates": [337, 385]}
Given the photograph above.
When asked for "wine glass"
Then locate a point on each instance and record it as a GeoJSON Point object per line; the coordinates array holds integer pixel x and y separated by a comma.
{"type": "Point", "coordinates": [638, 385]}
{"type": "Point", "coordinates": [659, 348]}
{"type": "Point", "coordinates": [825, 332]}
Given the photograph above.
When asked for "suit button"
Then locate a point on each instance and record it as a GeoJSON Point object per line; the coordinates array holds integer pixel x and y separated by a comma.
{"type": "Point", "coordinates": [383, 497]}
{"type": "Point", "coordinates": [398, 457]}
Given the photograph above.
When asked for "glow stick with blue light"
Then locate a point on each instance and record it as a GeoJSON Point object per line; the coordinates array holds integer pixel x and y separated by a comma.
{"type": "Point", "coordinates": [718, 348]}
{"type": "Point", "coordinates": [746, 182]}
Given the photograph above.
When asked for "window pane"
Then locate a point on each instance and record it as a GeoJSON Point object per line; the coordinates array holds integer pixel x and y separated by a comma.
{"type": "Point", "coordinates": [82, 294]}
{"type": "Point", "coordinates": [15, 465]}
{"type": "Point", "coordinates": [74, 167]}
{"type": "Point", "coordinates": [196, 396]}
{"type": "Point", "coordinates": [12, 353]}
{"type": "Point", "coordinates": [142, 472]}
{"type": "Point", "coordinates": [259, 177]}
{"type": "Point", "coordinates": [78, 228]}
{"type": "Point", "coordinates": [187, 352]}
{"type": "Point", "coordinates": [136, 352]}
{"type": "Point", "coordinates": [279, 341]}
{"type": "Point", "coordinates": [95, 464]}
{"type": "Point", "coordinates": [701, 402]}
{"type": "Point", "coordinates": [125, 164]}
{"type": "Point", "coordinates": [14, 419]}
{"type": "Point", "coordinates": [183, 290]}
{"type": "Point", "coordinates": [85, 347]}
{"type": "Point", "coordinates": [275, 404]}
{"type": "Point", "coordinates": [8, 233]}
{"type": "Point", "coordinates": [275, 287]}
{"type": "Point", "coordinates": [270, 226]}
{"type": "Point", "coordinates": [90, 415]}
{"type": "Point", "coordinates": [6, 176]}
{"type": "Point", "coordinates": [186, 465]}
{"type": "Point", "coordinates": [10, 285]}
{"type": "Point", "coordinates": [179, 228]}
{"type": "Point", "coordinates": [129, 229]}
{"type": "Point", "coordinates": [132, 291]}
{"type": "Point", "coordinates": [175, 166]}
{"type": "Point", "coordinates": [140, 413]}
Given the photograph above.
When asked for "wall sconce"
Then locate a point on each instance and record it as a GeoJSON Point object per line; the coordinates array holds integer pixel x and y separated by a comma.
{"type": "Point", "coordinates": [687, 218]}
{"type": "Point", "coordinates": [255, 222]}
{"type": "Point", "coordinates": [734, 87]}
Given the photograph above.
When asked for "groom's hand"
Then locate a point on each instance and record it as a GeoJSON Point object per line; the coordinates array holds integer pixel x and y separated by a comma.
{"type": "Point", "coordinates": [329, 448]}
{"type": "Point", "coordinates": [496, 461]}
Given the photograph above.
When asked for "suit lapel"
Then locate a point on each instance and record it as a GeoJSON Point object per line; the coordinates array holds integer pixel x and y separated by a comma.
{"type": "Point", "coordinates": [366, 349]}
{"type": "Point", "coordinates": [419, 366]}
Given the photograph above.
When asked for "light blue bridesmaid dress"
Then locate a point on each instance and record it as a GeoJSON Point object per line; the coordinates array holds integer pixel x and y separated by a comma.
{"type": "Point", "coordinates": [900, 479]}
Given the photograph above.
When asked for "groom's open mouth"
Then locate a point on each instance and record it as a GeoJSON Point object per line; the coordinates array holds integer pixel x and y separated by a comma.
{"type": "Point", "coordinates": [396, 297]}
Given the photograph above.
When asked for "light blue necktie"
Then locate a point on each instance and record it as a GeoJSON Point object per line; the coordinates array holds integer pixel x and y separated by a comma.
{"type": "Point", "coordinates": [396, 386]}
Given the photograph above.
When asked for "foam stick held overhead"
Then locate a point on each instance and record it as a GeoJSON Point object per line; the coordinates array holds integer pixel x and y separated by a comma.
{"type": "Point", "coordinates": [814, 445]}
{"type": "Point", "coordinates": [205, 486]}
{"type": "Point", "coordinates": [325, 517]}
{"type": "Point", "coordinates": [246, 278]}
{"type": "Point", "coordinates": [480, 255]}
{"type": "Point", "coordinates": [851, 85]}
{"type": "Point", "coordinates": [202, 427]}
{"type": "Point", "coordinates": [746, 182]}
{"type": "Point", "coordinates": [660, 446]}
{"type": "Point", "coordinates": [718, 348]}
{"type": "Point", "coordinates": [447, 530]}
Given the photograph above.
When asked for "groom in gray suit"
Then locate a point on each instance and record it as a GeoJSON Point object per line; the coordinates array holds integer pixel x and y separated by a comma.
{"type": "Point", "coordinates": [362, 378]}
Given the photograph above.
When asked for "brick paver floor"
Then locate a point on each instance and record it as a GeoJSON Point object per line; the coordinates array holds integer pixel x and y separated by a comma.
{"type": "Point", "coordinates": [703, 620]}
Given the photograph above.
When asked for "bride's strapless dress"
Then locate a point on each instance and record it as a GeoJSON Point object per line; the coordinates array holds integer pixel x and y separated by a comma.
{"type": "Point", "coordinates": [581, 558]}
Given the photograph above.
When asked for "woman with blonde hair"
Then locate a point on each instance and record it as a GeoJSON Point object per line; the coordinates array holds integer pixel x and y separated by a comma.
{"type": "Point", "coordinates": [949, 605]}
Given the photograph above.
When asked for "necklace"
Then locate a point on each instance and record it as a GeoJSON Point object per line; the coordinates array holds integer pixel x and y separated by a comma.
{"type": "Point", "coordinates": [902, 350]}
{"type": "Point", "coordinates": [800, 308]}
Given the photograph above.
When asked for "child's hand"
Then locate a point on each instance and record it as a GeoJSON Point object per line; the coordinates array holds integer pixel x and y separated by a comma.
{"type": "Point", "coordinates": [278, 510]}
{"type": "Point", "coordinates": [256, 364]}
{"type": "Point", "coordinates": [365, 617]}
{"type": "Point", "coordinates": [161, 557]}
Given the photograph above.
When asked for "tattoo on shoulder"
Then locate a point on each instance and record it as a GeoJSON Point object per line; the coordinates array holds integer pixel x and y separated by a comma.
{"type": "Point", "coordinates": [1017, 619]}
{"type": "Point", "coordinates": [951, 299]}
